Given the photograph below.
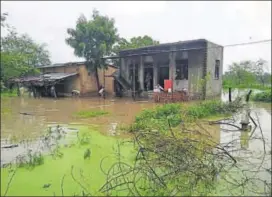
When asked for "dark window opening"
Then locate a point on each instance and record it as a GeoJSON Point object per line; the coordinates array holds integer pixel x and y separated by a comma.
{"type": "Point", "coordinates": [181, 69]}
{"type": "Point", "coordinates": [216, 70]}
{"type": "Point", "coordinates": [148, 78]}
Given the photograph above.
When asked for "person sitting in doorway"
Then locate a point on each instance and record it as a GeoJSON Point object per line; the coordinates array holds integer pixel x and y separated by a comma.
{"type": "Point", "coordinates": [147, 81]}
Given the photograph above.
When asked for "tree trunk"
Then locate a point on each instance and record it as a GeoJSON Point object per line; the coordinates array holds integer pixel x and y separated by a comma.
{"type": "Point", "coordinates": [96, 78]}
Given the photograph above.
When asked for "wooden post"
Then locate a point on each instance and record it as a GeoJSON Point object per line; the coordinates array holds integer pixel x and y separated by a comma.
{"type": "Point", "coordinates": [229, 94]}
{"type": "Point", "coordinates": [248, 95]}
{"type": "Point", "coordinates": [245, 119]}
{"type": "Point", "coordinates": [18, 90]}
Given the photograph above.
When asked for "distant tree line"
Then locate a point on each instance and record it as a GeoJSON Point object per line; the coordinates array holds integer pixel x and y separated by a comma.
{"type": "Point", "coordinates": [247, 74]}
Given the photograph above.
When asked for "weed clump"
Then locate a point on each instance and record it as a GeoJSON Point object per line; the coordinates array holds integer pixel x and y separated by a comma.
{"type": "Point", "coordinates": [264, 96]}
{"type": "Point", "coordinates": [90, 114]}
{"type": "Point", "coordinates": [30, 160]}
{"type": "Point", "coordinates": [172, 115]}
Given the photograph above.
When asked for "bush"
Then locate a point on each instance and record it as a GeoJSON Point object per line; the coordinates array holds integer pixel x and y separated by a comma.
{"type": "Point", "coordinates": [264, 96]}
{"type": "Point", "coordinates": [8, 93]}
{"type": "Point", "coordinates": [173, 114]}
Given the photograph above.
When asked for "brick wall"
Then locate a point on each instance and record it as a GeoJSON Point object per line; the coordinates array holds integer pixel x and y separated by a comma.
{"type": "Point", "coordinates": [84, 82]}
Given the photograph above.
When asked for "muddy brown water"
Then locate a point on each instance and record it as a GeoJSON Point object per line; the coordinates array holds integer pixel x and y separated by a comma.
{"type": "Point", "coordinates": [38, 113]}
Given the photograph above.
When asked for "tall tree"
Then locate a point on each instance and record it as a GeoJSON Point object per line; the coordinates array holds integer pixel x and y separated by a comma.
{"type": "Point", "coordinates": [260, 69]}
{"type": "Point", "coordinates": [93, 39]}
{"type": "Point", "coordinates": [34, 54]}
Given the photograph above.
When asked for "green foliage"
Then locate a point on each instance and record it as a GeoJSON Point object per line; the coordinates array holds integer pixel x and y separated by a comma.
{"type": "Point", "coordinates": [264, 96]}
{"type": "Point", "coordinates": [173, 114]}
{"type": "Point", "coordinates": [84, 138]}
{"type": "Point", "coordinates": [247, 86]}
{"type": "Point", "coordinates": [20, 55]}
{"type": "Point", "coordinates": [7, 93]}
{"type": "Point", "coordinates": [90, 114]}
{"type": "Point", "coordinates": [87, 154]}
{"type": "Point", "coordinates": [135, 42]}
{"type": "Point", "coordinates": [210, 108]}
{"type": "Point", "coordinates": [93, 39]}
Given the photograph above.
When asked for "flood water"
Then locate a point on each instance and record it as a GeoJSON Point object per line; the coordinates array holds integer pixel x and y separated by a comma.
{"type": "Point", "coordinates": [28, 117]}
{"type": "Point", "coordinates": [24, 118]}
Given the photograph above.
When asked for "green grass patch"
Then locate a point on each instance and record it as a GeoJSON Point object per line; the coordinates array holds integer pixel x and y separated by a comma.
{"type": "Point", "coordinates": [90, 114]}
{"type": "Point", "coordinates": [7, 93]}
{"type": "Point", "coordinates": [247, 86]}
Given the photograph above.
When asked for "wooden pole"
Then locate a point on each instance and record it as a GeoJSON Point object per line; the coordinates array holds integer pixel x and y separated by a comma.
{"type": "Point", "coordinates": [229, 94]}
{"type": "Point", "coordinates": [248, 95]}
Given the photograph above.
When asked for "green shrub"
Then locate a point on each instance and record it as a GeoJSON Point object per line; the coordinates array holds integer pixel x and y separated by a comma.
{"type": "Point", "coordinates": [264, 96]}
{"type": "Point", "coordinates": [90, 114]}
{"type": "Point", "coordinates": [173, 114]}
{"type": "Point", "coordinates": [8, 93]}
{"type": "Point", "coordinates": [158, 118]}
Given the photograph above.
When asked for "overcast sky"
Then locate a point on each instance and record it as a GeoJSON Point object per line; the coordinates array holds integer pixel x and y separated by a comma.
{"type": "Point", "coordinates": [220, 22]}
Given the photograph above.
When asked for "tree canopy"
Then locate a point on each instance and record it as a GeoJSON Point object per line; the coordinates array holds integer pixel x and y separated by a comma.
{"type": "Point", "coordinates": [93, 39]}
{"type": "Point", "coordinates": [135, 42]}
{"type": "Point", "coordinates": [20, 55]}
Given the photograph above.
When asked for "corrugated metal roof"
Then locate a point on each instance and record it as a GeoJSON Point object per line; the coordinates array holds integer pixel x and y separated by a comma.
{"type": "Point", "coordinates": [45, 77]}
{"type": "Point", "coordinates": [57, 76]}
{"type": "Point", "coordinates": [72, 63]}
{"type": "Point", "coordinates": [62, 64]}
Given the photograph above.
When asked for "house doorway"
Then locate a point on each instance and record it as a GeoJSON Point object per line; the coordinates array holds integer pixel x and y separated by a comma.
{"type": "Point", "coordinates": [148, 77]}
{"type": "Point", "coordinates": [163, 74]}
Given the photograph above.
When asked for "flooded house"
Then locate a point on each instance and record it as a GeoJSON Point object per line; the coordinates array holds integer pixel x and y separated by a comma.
{"type": "Point", "coordinates": [67, 78]}
{"type": "Point", "coordinates": [195, 66]}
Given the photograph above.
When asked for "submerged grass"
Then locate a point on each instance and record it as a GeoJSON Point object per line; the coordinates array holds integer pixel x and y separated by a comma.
{"type": "Point", "coordinates": [90, 114]}
{"type": "Point", "coordinates": [7, 93]}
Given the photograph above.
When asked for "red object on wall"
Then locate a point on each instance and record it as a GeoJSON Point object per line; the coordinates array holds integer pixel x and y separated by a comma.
{"type": "Point", "coordinates": [167, 84]}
